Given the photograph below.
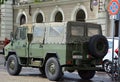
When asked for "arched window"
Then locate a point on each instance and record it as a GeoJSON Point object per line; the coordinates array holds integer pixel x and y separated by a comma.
{"type": "Point", "coordinates": [39, 18]}
{"type": "Point", "coordinates": [80, 16]}
{"type": "Point", "coordinates": [22, 20]}
{"type": "Point", "coordinates": [58, 17]}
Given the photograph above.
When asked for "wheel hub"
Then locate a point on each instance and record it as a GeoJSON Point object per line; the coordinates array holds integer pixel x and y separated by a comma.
{"type": "Point", "coordinates": [12, 65]}
{"type": "Point", "coordinates": [52, 68]}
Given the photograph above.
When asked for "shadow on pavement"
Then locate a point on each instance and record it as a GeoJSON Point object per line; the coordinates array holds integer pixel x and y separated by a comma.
{"type": "Point", "coordinates": [73, 80]}
{"type": "Point", "coordinates": [67, 77]}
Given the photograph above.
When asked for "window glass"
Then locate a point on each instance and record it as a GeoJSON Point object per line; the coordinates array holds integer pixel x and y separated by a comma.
{"type": "Point", "coordinates": [39, 18]}
{"type": "Point", "coordinates": [58, 17]}
{"type": "Point", "coordinates": [22, 20]}
{"type": "Point", "coordinates": [77, 30]}
{"type": "Point", "coordinates": [20, 33]}
{"type": "Point", "coordinates": [23, 33]}
{"type": "Point", "coordinates": [93, 31]}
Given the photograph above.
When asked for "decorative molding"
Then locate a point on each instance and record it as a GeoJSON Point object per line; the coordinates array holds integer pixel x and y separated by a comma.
{"type": "Point", "coordinates": [20, 13]}
{"type": "Point", "coordinates": [76, 9]}
{"type": "Point", "coordinates": [36, 13]}
{"type": "Point", "coordinates": [57, 9]}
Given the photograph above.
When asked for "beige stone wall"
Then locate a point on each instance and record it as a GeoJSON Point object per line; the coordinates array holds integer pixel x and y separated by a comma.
{"type": "Point", "coordinates": [67, 7]}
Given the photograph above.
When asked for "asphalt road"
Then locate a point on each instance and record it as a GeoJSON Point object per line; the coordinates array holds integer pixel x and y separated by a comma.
{"type": "Point", "coordinates": [33, 75]}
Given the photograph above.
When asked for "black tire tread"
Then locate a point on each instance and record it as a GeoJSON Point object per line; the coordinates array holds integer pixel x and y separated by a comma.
{"type": "Point", "coordinates": [18, 67]}
{"type": "Point", "coordinates": [93, 50]}
{"type": "Point", "coordinates": [58, 74]}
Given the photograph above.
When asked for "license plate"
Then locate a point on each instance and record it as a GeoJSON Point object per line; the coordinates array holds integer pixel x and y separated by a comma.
{"type": "Point", "coordinates": [77, 57]}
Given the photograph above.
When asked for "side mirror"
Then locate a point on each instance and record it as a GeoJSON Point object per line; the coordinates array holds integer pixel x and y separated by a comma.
{"type": "Point", "coordinates": [30, 37]}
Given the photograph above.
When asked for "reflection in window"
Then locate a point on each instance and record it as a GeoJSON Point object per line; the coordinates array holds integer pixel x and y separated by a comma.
{"type": "Point", "coordinates": [93, 31]}
{"type": "Point", "coordinates": [77, 31]}
{"type": "Point", "coordinates": [23, 33]}
{"type": "Point", "coordinates": [20, 33]}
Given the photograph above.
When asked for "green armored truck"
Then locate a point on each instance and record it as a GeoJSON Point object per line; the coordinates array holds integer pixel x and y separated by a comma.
{"type": "Point", "coordinates": [55, 48]}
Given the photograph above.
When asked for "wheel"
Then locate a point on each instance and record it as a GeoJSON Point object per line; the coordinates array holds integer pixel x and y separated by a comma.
{"type": "Point", "coordinates": [52, 69]}
{"type": "Point", "coordinates": [107, 65]}
{"type": "Point", "coordinates": [42, 70]}
{"type": "Point", "coordinates": [98, 46]}
{"type": "Point", "coordinates": [13, 67]}
{"type": "Point", "coordinates": [86, 74]}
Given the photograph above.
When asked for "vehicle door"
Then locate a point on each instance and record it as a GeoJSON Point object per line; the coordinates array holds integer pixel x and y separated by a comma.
{"type": "Point", "coordinates": [20, 42]}
{"type": "Point", "coordinates": [37, 44]}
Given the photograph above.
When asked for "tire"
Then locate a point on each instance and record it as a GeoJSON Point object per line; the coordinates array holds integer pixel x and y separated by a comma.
{"type": "Point", "coordinates": [98, 46]}
{"type": "Point", "coordinates": [13, 67]}
{"type": "Point", "coordinates": [86, 74]}
{"type": "Point", "coordinates": [52, 69]}
{"type": "Point", "coordinates": [107, 66]}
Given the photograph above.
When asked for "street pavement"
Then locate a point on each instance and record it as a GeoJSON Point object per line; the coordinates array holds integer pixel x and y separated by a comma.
{"type": "Point", "coordinates": [33, 75]}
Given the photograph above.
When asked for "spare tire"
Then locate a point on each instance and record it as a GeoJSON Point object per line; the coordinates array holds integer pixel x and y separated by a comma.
{"type": "Point", "coordinates": [98, 46]}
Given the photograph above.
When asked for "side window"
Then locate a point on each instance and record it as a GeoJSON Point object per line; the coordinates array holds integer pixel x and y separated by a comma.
{"type": "Point", "coordinates": [77, 30]}
{"type": "Point", "coordinates": [93, 29]}
{"type": "Point", "coordinates": [23, 33]}
{"type": "Point", "coordinates": [20, 33]}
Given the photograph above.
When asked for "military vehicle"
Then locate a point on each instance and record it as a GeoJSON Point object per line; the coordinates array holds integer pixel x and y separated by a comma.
{"type": "Point", "coordinates": [55, 48]}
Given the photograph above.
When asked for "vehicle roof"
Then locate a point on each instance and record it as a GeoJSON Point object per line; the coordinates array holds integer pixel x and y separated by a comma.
{"type": "Point", "coordinates": [30, 26]}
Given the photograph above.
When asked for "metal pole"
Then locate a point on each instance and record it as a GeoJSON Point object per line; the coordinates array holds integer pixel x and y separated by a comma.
{"type": "Point", "coordinates": [113, 24]}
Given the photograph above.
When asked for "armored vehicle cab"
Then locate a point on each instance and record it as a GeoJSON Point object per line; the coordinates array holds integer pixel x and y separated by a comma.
{"type": "Point", "coordinates": [54, 46]}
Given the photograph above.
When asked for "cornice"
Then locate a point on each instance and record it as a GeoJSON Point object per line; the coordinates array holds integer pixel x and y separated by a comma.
{"type": "Point", "coordinates": [48, 4]}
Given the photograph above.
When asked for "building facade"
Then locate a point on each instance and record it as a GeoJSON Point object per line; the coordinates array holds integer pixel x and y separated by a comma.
{"type": "Point", "coordinates": [6, 22]}
{"type": "Point", "coordinates": [41, 11]}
